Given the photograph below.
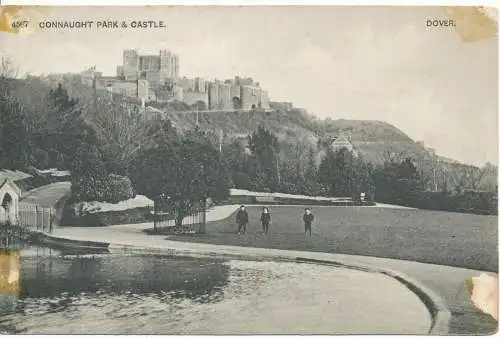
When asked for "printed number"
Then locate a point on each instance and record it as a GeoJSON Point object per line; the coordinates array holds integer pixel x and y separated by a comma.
{"type": "Point", "coordinates": [20, 24]}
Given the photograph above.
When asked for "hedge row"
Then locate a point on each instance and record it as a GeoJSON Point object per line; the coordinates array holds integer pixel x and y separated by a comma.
{"type": "Point", "coordinates": [293, 201]}
{"type": "Point", "coordinates": [99, 219]}
{"type": "Point", "coordinates": [485, 203]}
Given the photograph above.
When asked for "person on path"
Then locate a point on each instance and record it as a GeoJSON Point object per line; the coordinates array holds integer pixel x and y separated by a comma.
{"type": "Point", "coordinates": [265, 219]}
{"type": "Point", "coordinates": [242, 220]}
{"type": "Point", "coordinates": [308, 220]}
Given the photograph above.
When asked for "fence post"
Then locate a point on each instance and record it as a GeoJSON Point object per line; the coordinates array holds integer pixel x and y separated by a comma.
{"type": "Point", "coordinates": [202, 212]}
{"type": "Point", "coordinates": [154, 215]}
{"type": "Point", "coordinates": [36, 218]}
{"type": "Point", "coordinates": [50, 220]}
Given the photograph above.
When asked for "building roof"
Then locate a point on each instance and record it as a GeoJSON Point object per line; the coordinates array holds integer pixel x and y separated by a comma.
{"type": "Point", "coordinates": [7, 181]}
{"type": "Point", "coordinates": [341, 141]}
{"type": "Point", "coordinates": [13, 175]}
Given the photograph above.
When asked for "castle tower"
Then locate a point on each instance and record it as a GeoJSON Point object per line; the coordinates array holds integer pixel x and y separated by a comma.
{"type": "Point", "coordinates": [130, 64]}
{"type": "Point", "coordinates": [165, 65]}
{"type": "Point", "coordinates": [175, 66]}
{"type": "Point", "coordinates": [169, 65]}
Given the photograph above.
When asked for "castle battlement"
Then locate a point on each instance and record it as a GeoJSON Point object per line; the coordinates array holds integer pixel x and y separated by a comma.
{"type": "Point", "coordinates": [156, 78]}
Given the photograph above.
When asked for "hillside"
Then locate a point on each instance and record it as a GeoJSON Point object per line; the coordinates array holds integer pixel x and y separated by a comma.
{"type": "Point", "coordinates": [375, 140]}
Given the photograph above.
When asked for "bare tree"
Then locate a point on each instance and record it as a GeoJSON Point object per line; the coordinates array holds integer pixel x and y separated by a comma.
{"type": "Point", "coordinates": [467, 177]}
{"type": "Point", "coordinates": [8, 69]}
{"type": "Point", "coordinates": [122, 127]}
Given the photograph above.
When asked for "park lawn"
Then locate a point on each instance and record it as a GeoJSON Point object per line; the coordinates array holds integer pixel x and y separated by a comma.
{"type": "Point", "coordinates": [445, 238]}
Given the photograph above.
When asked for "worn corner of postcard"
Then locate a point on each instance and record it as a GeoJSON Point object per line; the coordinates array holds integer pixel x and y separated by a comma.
{"type": "Point", "coordinates": [9, 272]}
{"type": "Point", "coordinates": [474, 23]}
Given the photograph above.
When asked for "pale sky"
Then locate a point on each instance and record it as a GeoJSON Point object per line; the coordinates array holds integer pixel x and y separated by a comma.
{"type": "Point", "coordinates": [376, 63]}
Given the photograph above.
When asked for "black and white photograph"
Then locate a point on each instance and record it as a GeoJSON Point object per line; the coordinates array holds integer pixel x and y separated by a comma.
{"type": "Point", "coordinates": [248, 170]}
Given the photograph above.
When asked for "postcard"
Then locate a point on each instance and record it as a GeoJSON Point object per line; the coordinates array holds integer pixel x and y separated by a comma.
{"type": "Point", "coordinates": [246, 170]}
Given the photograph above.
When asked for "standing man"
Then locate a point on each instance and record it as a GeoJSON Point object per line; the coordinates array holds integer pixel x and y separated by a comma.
{"type": "Point", "coordinates": [265, 219]}
{"type": "Point", "coordinates": [242, 220]}
{"type": "Point", "coordinates": [308, 220]}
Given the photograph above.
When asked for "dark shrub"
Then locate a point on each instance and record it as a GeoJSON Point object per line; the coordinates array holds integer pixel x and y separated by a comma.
{"type": "Point", "coordinates": [91, 188]}
{"type": "Point", "coordinates": [118, 188]}
{"type": "Point", "coordinates": [41, 158]}
{"type": "Point", "coordinates": [56, 159]}
{"type": "Point", "coordinates": [242, 180]}
{"type": "Point", "coordinates": [469, 202]}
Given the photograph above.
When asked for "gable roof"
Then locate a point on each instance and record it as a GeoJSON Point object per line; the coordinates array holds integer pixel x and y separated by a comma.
{"type": "Point", "coordinates": [13, 175]}
{"type": "Point", "coordinates": [341, 141]}
{"type": "Point", "coordinates": [10, 183]}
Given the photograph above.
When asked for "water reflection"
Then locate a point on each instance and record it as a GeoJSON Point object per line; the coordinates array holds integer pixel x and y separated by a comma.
{"type": "Point", "coordinates": [61, 292]}
{"type": "Point", "coordinates": [52, 282]}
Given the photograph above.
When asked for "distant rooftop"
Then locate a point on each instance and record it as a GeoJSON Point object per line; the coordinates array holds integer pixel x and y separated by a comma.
{"type": "Point", "coordinates": [13, 175]}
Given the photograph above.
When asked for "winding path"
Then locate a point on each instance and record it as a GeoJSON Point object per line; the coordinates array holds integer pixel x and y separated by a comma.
{"type": "Point", "coordinates": [472, 234]}
{"type": "Point", "coordinates": [47, 195]}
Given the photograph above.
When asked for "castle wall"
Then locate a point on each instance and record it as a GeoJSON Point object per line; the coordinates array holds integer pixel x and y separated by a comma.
{"type": "Point", "coordinates": [119, 71]}
{"type": "Point", "coordinates": [130, 64]}
{"type": "Point", "coordinates": [130, 73]}
{"type": "Point", "coordinates": [250, 96]}
{"type": "Point", "coordinates": [149, 62]}
{"type": "Point", "coordinates": [143, 89]}
{"type": "Point", "coordinates": [187, 84]}
{"type": "Point", "coordinates": [225, 100]}
{"type": "Point", "coordinates": [153, 77]}
{"type": "Point", "coordinates": [191, 98]}
{"type": "Point", "coordinates": [264, 99]}
{"type": "Point", "coordinates": [213, 95]}
{"type": "Point", "coordinates": [200, 85]}
{"type": "Point", "coordinates": [177, 93]}
{"type": "Point", "coordinates": [235, 91]}
{"type": "Point", "coordinates": [175, 66]}
{"type": "Point", "coordinates": [124, 88]}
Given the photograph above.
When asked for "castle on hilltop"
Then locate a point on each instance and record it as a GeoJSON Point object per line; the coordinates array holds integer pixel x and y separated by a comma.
{"type": "Point", "coordinates": [156, 78]}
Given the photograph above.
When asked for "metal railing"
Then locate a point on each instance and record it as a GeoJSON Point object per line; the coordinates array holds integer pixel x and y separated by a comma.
{"type": "Point", "coordinates": [194, 223]}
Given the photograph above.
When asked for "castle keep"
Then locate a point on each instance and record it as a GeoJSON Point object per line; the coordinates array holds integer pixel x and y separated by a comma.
{"type": "Point", "coordinates": [156, 78]}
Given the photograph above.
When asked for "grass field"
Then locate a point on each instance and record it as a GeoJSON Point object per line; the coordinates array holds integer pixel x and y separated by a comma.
{"type": "Point", "coordinates": [454, 239]}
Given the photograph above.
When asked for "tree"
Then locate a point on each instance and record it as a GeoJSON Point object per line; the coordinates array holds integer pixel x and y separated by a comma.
{"type": "Point", "coordinates": [53, 124]}
{"type": "Point", "coordinates": [123, 131]}
{"type": "Point", "coordinates": [237, 157]}
{"type": "Point", "coordinates": [336, 171]}
{"type": "Point", "coordinates": [264, 148]}
{"type": "Point", "coordinates": [13, 137]}
{"type": "Point", "coordinates": [469, 178]}
{"type": "Point", "coordinates": [299, 162]}
{"type": "Point", "coordinates": [89, 176]}
{"type": "Point", "coordinates": [398, 182]}
{"type": "Point", "coordinates": [200, 105]}
{"type": "Point", "coordinates": [180, 175]}
{"type": "Point", "coordinates": [311, 185]}
{"type": "Point", "coordinates": [344, 174]}
{"type": "Point", "coordinates": [8, 69]}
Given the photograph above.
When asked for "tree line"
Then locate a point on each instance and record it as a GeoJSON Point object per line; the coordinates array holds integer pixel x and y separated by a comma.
{"type": "Point", "coordinates": [114, 151]}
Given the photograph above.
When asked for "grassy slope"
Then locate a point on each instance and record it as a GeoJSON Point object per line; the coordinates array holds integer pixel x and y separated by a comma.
{"type": "Point", "coordinates": [373, 139]}
{"type": "Point", "coordinates": [445, 238]}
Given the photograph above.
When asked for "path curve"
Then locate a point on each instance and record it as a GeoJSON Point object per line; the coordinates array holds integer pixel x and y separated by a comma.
{"type": "Point", "coordinates": [122, 242]}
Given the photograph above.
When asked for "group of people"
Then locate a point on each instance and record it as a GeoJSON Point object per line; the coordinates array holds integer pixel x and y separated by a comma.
{"type": "Point", "coordinates": [265, 219]}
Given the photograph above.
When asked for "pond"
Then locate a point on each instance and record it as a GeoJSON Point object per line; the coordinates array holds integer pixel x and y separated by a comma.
{"type": "Point", "coordinates": [67, 292]}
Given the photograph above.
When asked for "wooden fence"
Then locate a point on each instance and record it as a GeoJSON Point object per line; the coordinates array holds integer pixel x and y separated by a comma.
{"type": "Point", "coordinates": [36, 217]}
